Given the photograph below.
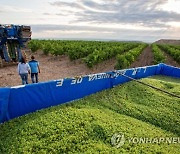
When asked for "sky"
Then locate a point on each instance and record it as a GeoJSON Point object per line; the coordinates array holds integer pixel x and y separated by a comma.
{"type": "Point", "coordinates": [133, 20]}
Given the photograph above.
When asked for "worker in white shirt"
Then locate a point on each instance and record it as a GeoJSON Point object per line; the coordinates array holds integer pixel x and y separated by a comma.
{"type": "Point", "coordinates": [23, 70]}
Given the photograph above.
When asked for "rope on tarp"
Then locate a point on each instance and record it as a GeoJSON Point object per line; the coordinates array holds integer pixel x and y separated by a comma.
{"type": "Point", "coordinates": [174, 95]}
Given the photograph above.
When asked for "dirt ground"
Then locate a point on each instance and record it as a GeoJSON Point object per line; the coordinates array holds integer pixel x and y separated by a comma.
{"type": "Point", "coordinates": [53, 68]}
{"type": "Point", "coordinates": [170, 60]}
{"type": "Point", "coordinates": [145, 59]}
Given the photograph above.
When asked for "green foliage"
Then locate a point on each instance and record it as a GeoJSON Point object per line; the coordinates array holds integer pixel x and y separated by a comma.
{"type": "Point", "coordinates": [34, 45]}
{"type": "Point", "coordinates": [47, 48]}
{"type": "Point", "coordinates": [87, 125]}
{"type": "Point", "coordinates": [108, 52]}
{"type": "Point", "coordinates": [57, 50]}
{"type": "Point", "coordinates": [173, 51]}
{"type": "Point", "coordinates": [158, 54]}
{"type": "Point", "coordinates": [129, 57]}
{"type": "Point", "coordinates": [122, 62]}
{"type": "Point", "coordinates": [91, 52]}
{"type": "Point", "coordinates": [126, 59]}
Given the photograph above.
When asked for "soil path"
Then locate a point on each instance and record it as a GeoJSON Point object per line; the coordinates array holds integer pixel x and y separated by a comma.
{"type": "Point", "coordinates": [145, 58]}
{"type": "Point", "coordinates": [170, 60]}
{"type": "Point", "coordinates": [53, 68]}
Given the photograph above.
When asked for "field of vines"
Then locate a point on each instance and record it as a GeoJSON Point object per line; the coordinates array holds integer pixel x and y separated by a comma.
{"type": "Point", "coordinates": [158, 54]}
{"type": "Point", "coordinates": [90, 52]}
{"type": "Point", "coordinates": [126, 59]}
{"type": "Point", "coordinates": [172, 50]}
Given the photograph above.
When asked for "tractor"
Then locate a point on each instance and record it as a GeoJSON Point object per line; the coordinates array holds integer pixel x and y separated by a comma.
{"type": "Point", "coordinates": [13, 42]}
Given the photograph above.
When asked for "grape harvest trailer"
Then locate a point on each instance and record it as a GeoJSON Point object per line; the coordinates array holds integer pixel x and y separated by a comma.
{"type": "Point", "coordinates": [19, 100]}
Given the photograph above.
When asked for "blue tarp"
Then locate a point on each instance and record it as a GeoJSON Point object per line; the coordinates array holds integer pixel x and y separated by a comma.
{"type": "Point", "coordinates": [20, 100]}
{"type": "Point", "coordinates": [170, 71]}
{"type": "Point", "coordinates": [4, 102]}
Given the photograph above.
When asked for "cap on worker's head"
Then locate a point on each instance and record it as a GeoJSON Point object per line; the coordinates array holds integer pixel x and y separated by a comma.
{"type": "Point", "coordinates": [32, 57]}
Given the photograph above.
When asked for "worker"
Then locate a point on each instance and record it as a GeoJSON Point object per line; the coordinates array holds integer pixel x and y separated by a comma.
{"type": "Point", "coordinates": [23, 70]}
{"type": "Point", "coordinates": [35, 69]}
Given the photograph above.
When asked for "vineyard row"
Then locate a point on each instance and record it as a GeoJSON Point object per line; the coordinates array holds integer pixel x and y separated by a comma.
{"type": "Point", "coordinates": [91, 52]}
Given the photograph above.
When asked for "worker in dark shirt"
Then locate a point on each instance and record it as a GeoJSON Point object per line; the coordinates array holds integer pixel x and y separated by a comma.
{"type": "Point", "coordinates": [34, 65]}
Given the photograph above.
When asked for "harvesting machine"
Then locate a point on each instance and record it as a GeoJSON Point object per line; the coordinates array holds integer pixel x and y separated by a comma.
{"type": "Point", "coordinates": [13, 40]}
